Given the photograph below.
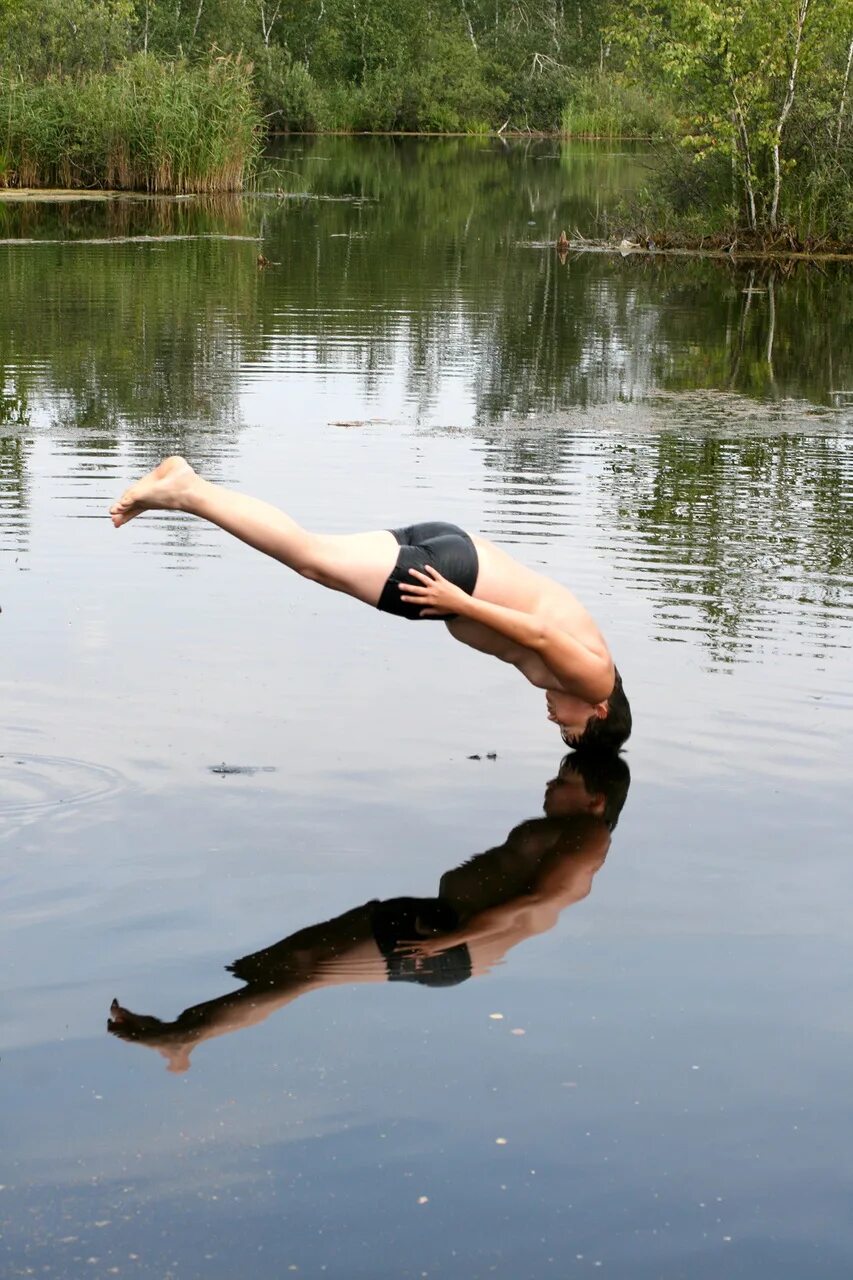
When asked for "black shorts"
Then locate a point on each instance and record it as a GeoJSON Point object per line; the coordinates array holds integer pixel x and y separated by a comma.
{"type": "Point", "coordinates": [446, 547]}
{"type": "Point", "coordinates": [405, 920]}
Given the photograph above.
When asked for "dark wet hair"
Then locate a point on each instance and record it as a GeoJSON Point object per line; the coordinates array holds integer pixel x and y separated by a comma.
{"type": "Point", "coordinates": [603, 773]}
{"type": "Point", "coordinates": [607, 734]}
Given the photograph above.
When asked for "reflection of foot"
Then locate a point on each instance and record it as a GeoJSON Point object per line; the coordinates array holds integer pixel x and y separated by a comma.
{"type": "Point", "coordinates": [163, 489]}
{"type": "Point", "coordinates": [141, 1028]}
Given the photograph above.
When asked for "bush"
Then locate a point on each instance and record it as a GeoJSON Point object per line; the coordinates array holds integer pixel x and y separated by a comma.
{"type": "Point", "coordinates": [817, 195]}
{"type": "Point", "coordinates": [146, 126]}
{"type": "Point", "coordinates": [444, 91]}
{"type": "Point", "coordinates": [533, 92]}
{"type": "Point", "coordinates": [289, 95]}
{"type": "Point", "coordinates": [609, 105]}
{"type": "Point", "coordinates": [696, 196]}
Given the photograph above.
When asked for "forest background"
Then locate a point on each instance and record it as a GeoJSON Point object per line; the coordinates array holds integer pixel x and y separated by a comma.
{"type": "Point", "coordinates": [749, 101]}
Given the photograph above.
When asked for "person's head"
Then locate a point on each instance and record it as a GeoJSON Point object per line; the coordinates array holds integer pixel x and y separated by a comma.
{"type": "Point", "coordinates": [589, 782]}
{"type": "Point", "coordinates": [602, 726]}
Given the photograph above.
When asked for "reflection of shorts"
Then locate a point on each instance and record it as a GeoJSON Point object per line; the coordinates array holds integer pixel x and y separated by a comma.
{"type": "Point", "coordinates": [407, 919]}
{"type": "Point", "coordinates": [446, 547]}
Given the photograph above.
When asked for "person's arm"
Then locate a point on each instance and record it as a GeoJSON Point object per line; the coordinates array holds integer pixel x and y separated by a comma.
{"type": "Point", "coordinates": [491, 923]}
{"type": "Point", "coordinates": [580, 670]}
{"type": "Point", "coordinates": [564, 878]}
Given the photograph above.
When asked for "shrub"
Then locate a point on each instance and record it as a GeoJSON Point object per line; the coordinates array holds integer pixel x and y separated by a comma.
{"type": "Point", "coordinates": [443, 91]}
{"type": "Point", "coordinates": [609, 105]}
{"type": "Point", "coordinates": [289, 95]}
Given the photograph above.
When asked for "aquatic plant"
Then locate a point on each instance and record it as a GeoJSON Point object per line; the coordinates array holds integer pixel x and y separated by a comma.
{"type": "Point", "coordinates": [148, 126]}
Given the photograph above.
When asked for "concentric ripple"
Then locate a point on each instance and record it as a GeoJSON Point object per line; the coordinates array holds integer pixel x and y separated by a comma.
{"type": "Point", "coordinates": [31, 784]}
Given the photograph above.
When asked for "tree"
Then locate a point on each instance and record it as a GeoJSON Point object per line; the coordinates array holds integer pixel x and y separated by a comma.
{"type": "Point", "coordinates": [741, 67]}
{"type": "Point", "coordinates": [42, 36]}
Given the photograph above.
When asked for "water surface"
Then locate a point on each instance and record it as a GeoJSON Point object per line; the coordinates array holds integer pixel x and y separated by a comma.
{"type": "Point", "coordinates": [670, 439]}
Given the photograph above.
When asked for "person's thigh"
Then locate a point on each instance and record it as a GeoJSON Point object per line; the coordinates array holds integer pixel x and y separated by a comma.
{"type": "Point", "coordinates": [355, 563]}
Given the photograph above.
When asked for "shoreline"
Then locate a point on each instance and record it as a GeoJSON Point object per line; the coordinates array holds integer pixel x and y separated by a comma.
{"type": "Point", "coordinates": [734, 253]}
{"type": "Point", "coordinates": [746, 254]}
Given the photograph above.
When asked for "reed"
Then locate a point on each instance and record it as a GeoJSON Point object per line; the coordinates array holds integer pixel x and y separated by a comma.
{"type": "Point", "coordinates": [148, 125]}
{"type": "Point", "coordinates": [607, 105]}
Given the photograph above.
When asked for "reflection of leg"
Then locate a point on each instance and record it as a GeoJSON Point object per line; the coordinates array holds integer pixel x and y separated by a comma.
{"type": "Point", "coordinates": [358, 564]}
{"type": "Point", "coordinates": [342, 950]}
{"type": "Point", "coordinates": [176, 1040]}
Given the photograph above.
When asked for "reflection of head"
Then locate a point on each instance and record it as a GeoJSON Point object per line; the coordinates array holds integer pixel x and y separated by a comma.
{"type": "Point", "coordinates": [603, 774]}
{"type": "Point", "coordinates": [606, 733]}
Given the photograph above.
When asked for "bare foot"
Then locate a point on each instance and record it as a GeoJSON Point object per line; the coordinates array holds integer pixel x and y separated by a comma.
{"type": "Point", "coordinates": [163, 489]}
{"type": "Point", "coordinates": [141, 1028]}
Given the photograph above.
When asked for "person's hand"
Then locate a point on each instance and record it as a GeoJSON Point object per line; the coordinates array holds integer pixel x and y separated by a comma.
{"type": "Point", "coordinates": [422, 948]}
{"type": "Point", "coordinates": [435, 593]}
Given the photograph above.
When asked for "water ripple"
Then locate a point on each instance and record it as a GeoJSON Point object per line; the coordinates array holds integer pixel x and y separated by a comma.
{"type": "Point", "coordinates": [33, 784]}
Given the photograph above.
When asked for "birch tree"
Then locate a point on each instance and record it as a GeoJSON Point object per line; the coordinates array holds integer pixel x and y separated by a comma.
{"type": "Point", "coordinates": [741, 68]}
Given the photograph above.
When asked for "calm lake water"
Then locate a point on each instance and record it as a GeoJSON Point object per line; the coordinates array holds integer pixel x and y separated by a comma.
{"type": "Point", "coordinates": [666, 1092]}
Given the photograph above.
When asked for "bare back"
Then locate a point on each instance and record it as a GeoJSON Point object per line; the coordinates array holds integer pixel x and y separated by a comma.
{"type": "Point", "coordinates": [502, 580]}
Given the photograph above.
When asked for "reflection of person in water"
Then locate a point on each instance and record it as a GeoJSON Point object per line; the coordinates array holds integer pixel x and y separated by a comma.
{"type": "Point", "coordinates": [436, 570]}
{"type": "Point", "coordinates": [484, 908]}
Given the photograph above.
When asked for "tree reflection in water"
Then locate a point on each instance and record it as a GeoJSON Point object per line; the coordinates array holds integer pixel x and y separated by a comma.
{"type": "Point", "coordinates": [419, 257]}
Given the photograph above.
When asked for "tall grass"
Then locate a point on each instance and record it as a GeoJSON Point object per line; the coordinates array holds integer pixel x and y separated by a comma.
{"type": "Point", "coordinates": [607, 105]}
{"type": "Point", "coordinates": [146, 126]}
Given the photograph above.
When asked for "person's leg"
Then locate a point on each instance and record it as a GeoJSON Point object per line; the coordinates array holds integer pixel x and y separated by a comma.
{"type": "Point", "coordinates": [358, 564]}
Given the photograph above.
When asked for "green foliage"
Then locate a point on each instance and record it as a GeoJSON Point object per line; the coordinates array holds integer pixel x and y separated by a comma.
{"type": "Point", "coordinates": [39, 37]}
{"type": "Point", "coordinates": [760, 90]}
{"type": "Point", "coordinates": [762, 86]}
{"type": "Point", "coordinates": [147, 126]}
{"type": "Point", "coordinates": [610, 105]}
{"type": "Point", "coordinates": [535, 88]}
{"type": "Point", "coordinates": [352, 64]}
{"type": "Point", "coordinates": [290, 97]}
{"type": "Point", "coordinates": [443, 92]}
{"type": "Point", "coordinates": [700, 200]}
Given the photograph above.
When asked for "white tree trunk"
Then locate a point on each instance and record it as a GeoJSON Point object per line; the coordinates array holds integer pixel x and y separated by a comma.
{"type": "Point", "coordinates": [197, 21]}
{"type": "Point", "coordinates": [802, 14]}
{"type": "Point", "coordinates": [468, 24]}
{"type": "Point", "coordinates": [267, 26]}
{"type": "Point", "coordinates": [843, 103]}
{"type": "Point", "coordinates": [746, 152]}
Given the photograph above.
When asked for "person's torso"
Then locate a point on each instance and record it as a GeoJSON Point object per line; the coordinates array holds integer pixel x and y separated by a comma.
{"type": "Point", "coordinates": [503, 581]}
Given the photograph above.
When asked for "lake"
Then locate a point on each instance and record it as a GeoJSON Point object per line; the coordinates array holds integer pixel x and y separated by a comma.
{"type": "Point", "coordinates": [206, 759]}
